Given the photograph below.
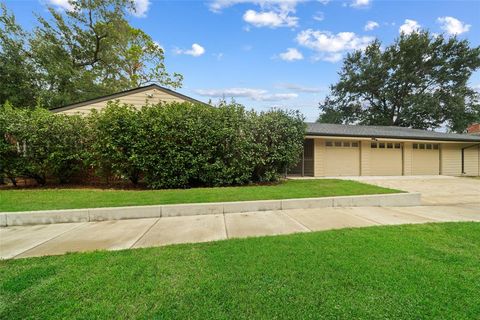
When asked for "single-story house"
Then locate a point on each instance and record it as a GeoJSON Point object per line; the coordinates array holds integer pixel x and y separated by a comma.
{"type": "Point", "coordinates": [346, 150]}
{"type": "Point", "coordinates": [138, 97]}
{"type": "Point", "coordinates": [354, 150]}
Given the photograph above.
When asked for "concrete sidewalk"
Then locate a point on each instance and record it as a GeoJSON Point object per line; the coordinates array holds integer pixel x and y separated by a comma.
{"type": "Point", "coordinates": [53, 239]}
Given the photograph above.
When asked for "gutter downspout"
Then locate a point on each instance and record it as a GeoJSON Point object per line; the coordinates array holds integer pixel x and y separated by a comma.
{"type": "Point", "coordinates": [463, 156]}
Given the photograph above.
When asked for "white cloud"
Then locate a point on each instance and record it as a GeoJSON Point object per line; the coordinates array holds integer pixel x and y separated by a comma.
{"type": "Point", "coordinates": [319, 16]}
{"type": "Point", "coordinates": [330, 57]}
{"type": "Point", "coordinates": [300, 88]}
{"type": "Point", "coordinates": [272, 13]}
{"type": "Point", "coordinates": [61, 4]}
{"type": "Point", "coordinates": [291, 54]}
{"type": "Point", "coordinates": [289, 5]}
{"type": "Point", "coordinates": [270, 19]}
{"type": "Point", "coordinates": [141, 8]}
{"type": "Point", "coordinates": [196, 50]}
{"type": "Point", "coordinates": [409, 26]}
{"type": "Point", "coordinates": [250, 93]}
{"type": "Point", "coordinates": [360, 3]}
{"type": "Point", "coordinates": [331, 47]}
{"type": "Point", "coordinates": [329, 42]}
{"type": "Point", "coordinates": [452, 25]}
{"type": "Point", "coordinates": [371, 25]}
{"type": "Point", "coordinates": [324, 2]}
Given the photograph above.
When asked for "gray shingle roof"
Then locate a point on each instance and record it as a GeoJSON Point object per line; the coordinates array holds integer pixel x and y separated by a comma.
{"type": "Point", "coordinates": [326, 129]}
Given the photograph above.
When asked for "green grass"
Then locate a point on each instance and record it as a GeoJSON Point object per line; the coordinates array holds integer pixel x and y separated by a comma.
{"type": "Point", "coordinates": [427, 271]}
{"type": "Point", "coordinates": [47, 199]}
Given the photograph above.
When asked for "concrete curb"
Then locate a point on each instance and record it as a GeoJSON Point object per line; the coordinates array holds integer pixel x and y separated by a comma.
{"type": "Point", "coordinates": [138, 212]}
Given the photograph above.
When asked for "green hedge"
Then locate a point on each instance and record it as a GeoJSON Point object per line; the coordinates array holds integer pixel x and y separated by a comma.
{"type": "Point", "coordinates": [165, 146]}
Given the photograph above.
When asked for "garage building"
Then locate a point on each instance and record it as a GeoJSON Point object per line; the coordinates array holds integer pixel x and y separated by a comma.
{"type": "Point", "coordinates": [352, 150]}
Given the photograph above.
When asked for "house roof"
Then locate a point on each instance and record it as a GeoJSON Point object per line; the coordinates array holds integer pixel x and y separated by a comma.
{"type": "Point", "coordinates": [341, 130]}
{"type": "Point", "coordinates": [125, 93]}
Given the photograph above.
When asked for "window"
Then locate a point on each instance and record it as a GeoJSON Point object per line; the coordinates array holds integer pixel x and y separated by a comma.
{"type": "Point", "coordinates": [390, 145]}
{"type": "Point", "coordinates": [374, 145]}
{"type": "Point", "coordinates": [354, 144]}
{"type": "Point", "coordinates": [422, 146]}
{"type": "Point", "coordinates": [381, 145]}
{"type": "Point", "coordinates": [338, 143]}
{"type": "Point", "coordinates": [397, 146]}
{"type": "Point", "coordinates": [346, 144]}
{"type": "Point", "coordinates": [435, 147]}
{"type": "Point", "coordinates": [329, 143]}
{"type": "Point", "coordinates": [429, 146]}
{"type": "Point", "coordinates": [415, 146]}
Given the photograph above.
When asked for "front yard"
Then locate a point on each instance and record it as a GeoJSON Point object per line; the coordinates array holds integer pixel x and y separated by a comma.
{"type": "Point", "coordinates": [49, 199]}
{"type": "Point", "coordinates": [396, 272]}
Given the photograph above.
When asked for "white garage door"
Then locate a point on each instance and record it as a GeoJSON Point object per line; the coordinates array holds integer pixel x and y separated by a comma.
{"type": "Point", "coordinates": [342, 158]}
{"type": "Point", "coordinates": [425, 159]}
{"type": "Point", "coordinates": [386, 159]}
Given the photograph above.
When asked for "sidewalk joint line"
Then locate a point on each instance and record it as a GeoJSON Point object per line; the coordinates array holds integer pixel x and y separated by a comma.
{"type": "Point", "coordinates": [225, 225]}
{"type": "Point", "coordinates": [146, 231]}
{"type": "Point", "coordinates": [295, 220]}
{"type": "Point", "coordinates": [58, 235]}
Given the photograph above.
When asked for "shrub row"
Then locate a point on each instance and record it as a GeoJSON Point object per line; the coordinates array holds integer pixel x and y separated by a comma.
{"type": "Point", "coordinates": [165, 146]}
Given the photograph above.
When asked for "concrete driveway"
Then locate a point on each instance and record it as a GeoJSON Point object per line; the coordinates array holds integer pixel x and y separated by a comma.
{"type": "Point", "coordinates": [435, 190]}
{"type": "Point", "coordinates": [53, 239]}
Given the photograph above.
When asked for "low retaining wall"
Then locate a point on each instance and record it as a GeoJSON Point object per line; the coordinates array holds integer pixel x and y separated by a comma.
{"type": "Point", "coordinates": [119, 213]}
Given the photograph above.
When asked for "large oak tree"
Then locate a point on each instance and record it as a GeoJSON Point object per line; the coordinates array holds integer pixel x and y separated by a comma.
{"type": "Point", "coordinates": [420, 81]}
{"type": "Point", "coordinates": [78, 54]}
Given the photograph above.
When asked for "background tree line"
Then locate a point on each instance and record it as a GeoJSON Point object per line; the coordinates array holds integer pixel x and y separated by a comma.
{"type": "Point", "coordinates": [175, 145]}
{"type": "Point", "coordinates": [420, 81]}
{"type": "Point", "coordinates": [75, 55]}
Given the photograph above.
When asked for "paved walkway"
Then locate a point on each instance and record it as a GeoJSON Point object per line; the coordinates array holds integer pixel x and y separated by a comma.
{"type": "Point", "coordinates": [435, 190]}
{"type": "Point", "coordinates": [53, 239]}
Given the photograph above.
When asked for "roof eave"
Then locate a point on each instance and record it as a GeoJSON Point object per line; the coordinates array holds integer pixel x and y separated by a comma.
{"type": "Point", "coordinates": [474, 140]}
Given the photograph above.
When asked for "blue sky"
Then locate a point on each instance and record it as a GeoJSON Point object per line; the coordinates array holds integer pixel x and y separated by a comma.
{"type": "Point", "coordinates": [276, 53]}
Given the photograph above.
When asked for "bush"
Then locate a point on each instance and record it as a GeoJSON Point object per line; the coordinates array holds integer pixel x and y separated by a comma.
{"type": "Point", "coordinates": [10, 158]}
{"type": "Point", "coordinates": [43, 144]}
{"type": "Point", "coordinates": [115, 141]}
{"type": "Point", "coordinates": [176, 145]}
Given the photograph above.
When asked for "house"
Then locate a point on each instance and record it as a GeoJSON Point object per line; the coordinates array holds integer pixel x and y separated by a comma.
{"type": "Point", "coordinates": [346, 150]}
{"type": "Point", "coordinates": [137, 97]}
{"type": "Point", "coordinates": [354, 150]}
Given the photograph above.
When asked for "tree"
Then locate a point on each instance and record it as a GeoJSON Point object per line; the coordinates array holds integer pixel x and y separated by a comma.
{"type": "Point", "coordinates": [17, 73]}
{"type": "Point", "coordinates": [420, 81]}
{"type": "Point", "coordinates": [82, 53]}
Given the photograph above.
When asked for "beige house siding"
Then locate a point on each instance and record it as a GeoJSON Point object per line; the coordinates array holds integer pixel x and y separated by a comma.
{"type": "Point", "coordinates": [365, 158]}
{"type": "Point", "coordinates": [472, 161]}
{"type": "Point", "coordinates": [137, 99]}
{"type": "Point", "coordinates": [319, 149]}
{"type": "Point", "coordinates": [451, 159]}
{"type": "Point", "coordinates": [366, 161]}
{"type": "Point", "coordinates": [407, 158]}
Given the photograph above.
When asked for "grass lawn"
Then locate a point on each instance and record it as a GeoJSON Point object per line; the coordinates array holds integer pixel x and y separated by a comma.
{"type": "Point", "coordinates": [45, 199]}
{"type": "Point", "coordinates": [396, 272]}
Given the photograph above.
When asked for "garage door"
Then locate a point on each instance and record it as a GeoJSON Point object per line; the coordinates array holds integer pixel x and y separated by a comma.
{"type": "Point", "coordinates": [386, 159]}
{"type": "Point", "coordinates": [425, 159]}
{"type": "Point", "coordinates": [342, 158]}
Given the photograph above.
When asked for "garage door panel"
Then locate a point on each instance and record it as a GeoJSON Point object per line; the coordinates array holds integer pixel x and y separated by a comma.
{"type": "Point", "coordinates": [386, 162]}
{"type": "Point", "coordinates": [342, 161]}
{"type": "Point", "coordinates": [425, 159]}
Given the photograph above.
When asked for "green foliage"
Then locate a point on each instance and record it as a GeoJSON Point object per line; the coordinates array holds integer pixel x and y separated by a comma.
{"type": "Point", "coordinates": [115, 141]}
{"type": "Point", "coordinates": [175, 145]}
{"type": "Point", "coordinates": [420, 81]}
{"type": "Point", "coordinates": [82, 53]}
{"type": "Point", "coordinates": [39, 144]}
{"type": "Point", "coordinates": [11, 163]}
